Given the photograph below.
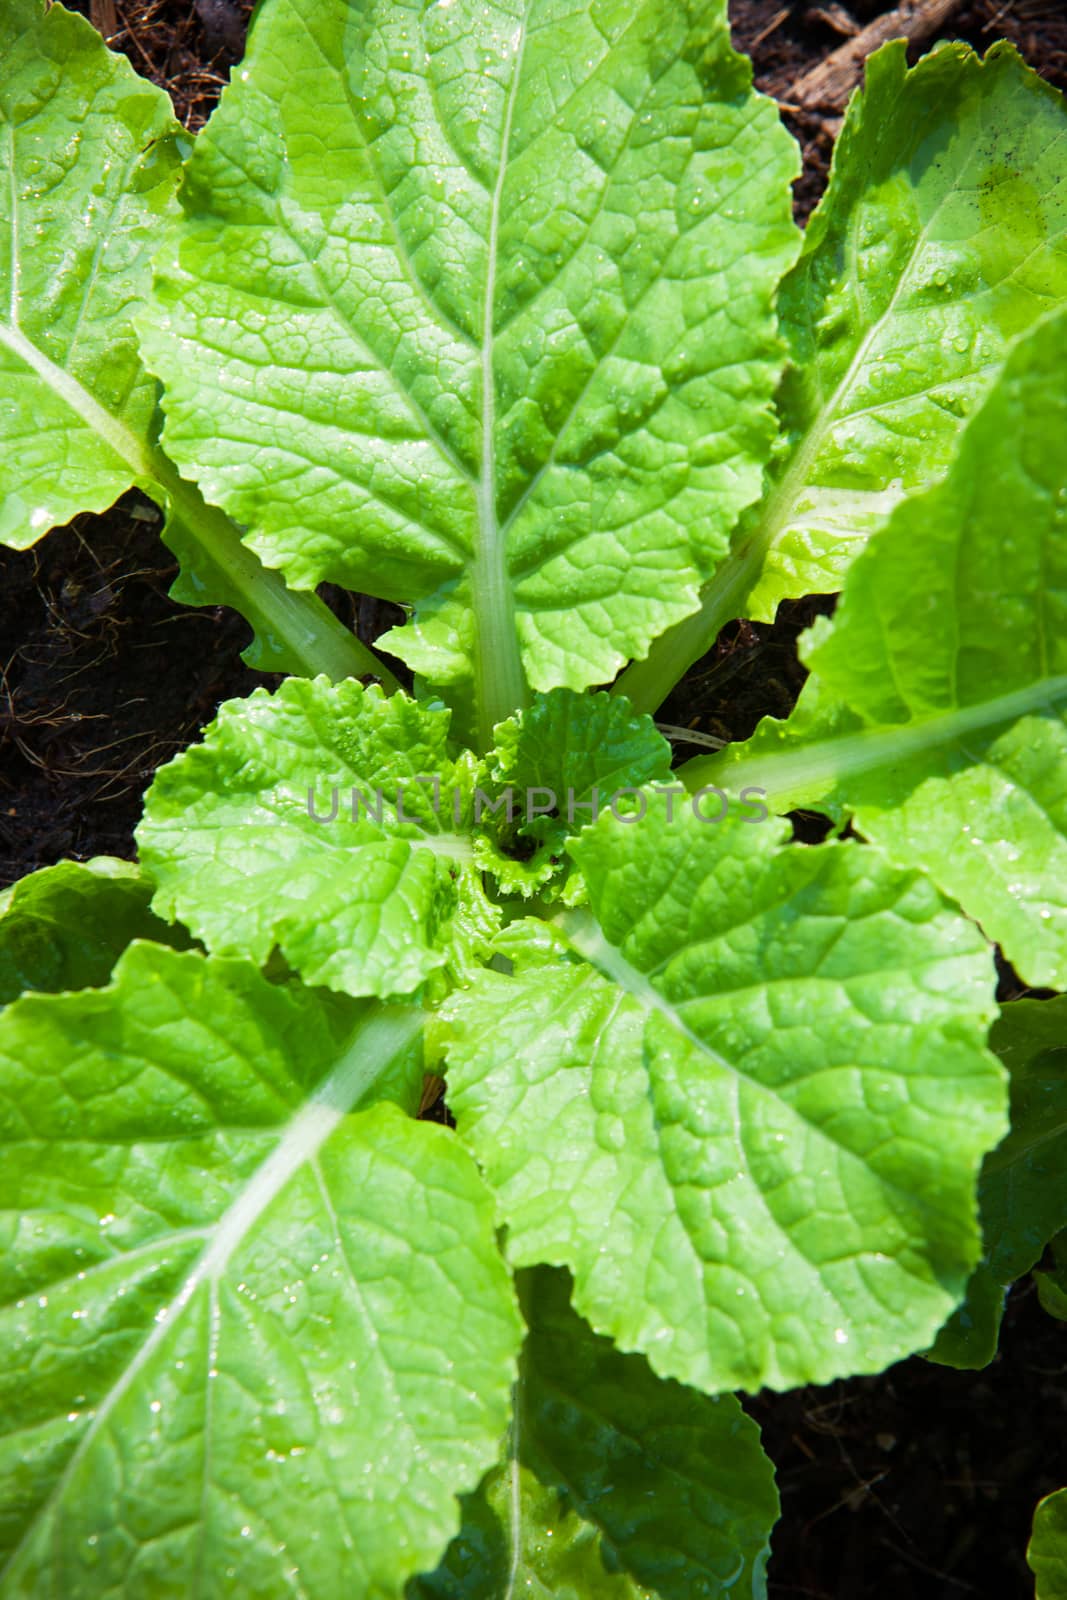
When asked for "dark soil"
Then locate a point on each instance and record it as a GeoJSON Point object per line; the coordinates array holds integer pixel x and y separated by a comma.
{"type": "Point", "coordinates": [919, 1482]}
{"type": "Point", "coordinates": [186, 46]}
{"type": "Point", "coordinates": [104, 679]}
{"type": "Point", "coordinates": [785, 40]}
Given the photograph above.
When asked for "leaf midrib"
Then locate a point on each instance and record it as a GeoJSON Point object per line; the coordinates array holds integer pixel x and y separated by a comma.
{"type": "Point", "coordinates": [727, 593]}
{"type": "Point", "coordinates": [380, 1036]}
{"type": "Point", "coordinates": [500, 684]}
{"type": "Point", "coordinates": [115, 434]}
{"type": "Point", "coordinates": [16, 263]}
{"type": "Point", "coordinates": [780, 506]}
{"type": "Point", "coordinates": [827, 761]}
{"type": "Point", "coordinates": [320, 642]}
{"type": "Point", "coordinates": [582, 930]}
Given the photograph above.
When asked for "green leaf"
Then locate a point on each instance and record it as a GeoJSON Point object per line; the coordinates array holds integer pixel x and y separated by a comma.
{"type": "Point", "coordinates": [576, 754]}
{"type": "Point", "coordinates": [942, 235]}
{"type": "Point", "coordinates": [65, 926]}
{"type": "Point", "coordinates": [1047, 1554]}
{"type": "Point", "coordinates": [970, 1337]}
{"type": "Point", "coordinates": [514, 1523]}
{"type": "Point", "coordinates": [1022, 1192]}
{"type": "Point", "coordinates": [1023, 1189]}
{"type": "Point", "coordinates": [473, 306]}
{"type": "Point", "coordinates": [618, 1485]}
{"type": "Point", "coordinates": [1052, 1281]}
{"type": "Point", "coordinates": [89, 157]}
{"type": "Point", "coordinates": [282, 829]}
{"type": "Point", "coordinates": [292, 632]}
{"type": "Point", "coordinates": [244, 1330]}
{"type": "Point", "coordinates": [749, 1110]}
{"type": "Point", "coordinates": [934, 715]}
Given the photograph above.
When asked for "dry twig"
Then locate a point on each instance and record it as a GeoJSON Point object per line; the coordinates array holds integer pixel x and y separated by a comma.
{"type": "Point", "coordinates": [827, 86]}
{"type": "Point", "coordinates": [103, 18]}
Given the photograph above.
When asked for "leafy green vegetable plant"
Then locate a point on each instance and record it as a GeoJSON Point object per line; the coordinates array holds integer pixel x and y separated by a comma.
{"type": "Point", "coordinates": [496, 310]}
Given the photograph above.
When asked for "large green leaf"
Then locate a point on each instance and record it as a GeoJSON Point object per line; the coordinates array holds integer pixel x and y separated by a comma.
{"type": "Point", "coordinates": [748, 1108]}
{"type": "Point", "coordinates": [90, 156]}
{"type": "Point", "coordinates": [301, 822]}
{"type": "Point", "coordinates": [251, 1341]}
{"type": "Point", "coordinates": [90, 161]}
{"type": "Point", "coordinates": [618, 1485]}
{"type": "Point", "coordinates": [1022, 1192]}
{"type": "Point", "coordinates": [473, 307]}
{"type": "Point", "coordinates": [942, 234]}
{"type": "Point", "coordinates": [934, 714]}
{"type": "Point", "coordinates": [1047, 1554]}
{"type": "Point", "coordinates": [65, 926]}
